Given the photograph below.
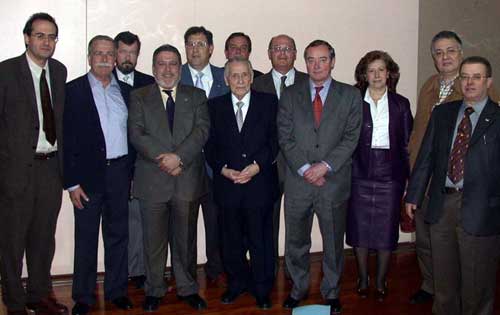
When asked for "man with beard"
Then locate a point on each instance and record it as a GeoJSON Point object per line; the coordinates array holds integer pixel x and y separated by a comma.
{"type": "Point", "coordinates": [128, 47]}
{"type": "Point", "coordinates": [96, 174]}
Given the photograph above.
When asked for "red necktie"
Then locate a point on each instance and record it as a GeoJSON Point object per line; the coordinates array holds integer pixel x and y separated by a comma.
{"type": "Point", "coordinates": [317, 106]}
{"type": "Point", "coordinates": [460, 146]}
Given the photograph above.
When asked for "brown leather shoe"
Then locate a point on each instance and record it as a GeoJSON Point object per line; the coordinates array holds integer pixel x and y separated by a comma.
{"type": "Point", "coordinates": [48, 306]}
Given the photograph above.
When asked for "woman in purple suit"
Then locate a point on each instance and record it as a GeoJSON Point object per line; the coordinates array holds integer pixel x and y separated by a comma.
{"type": "Point", "coordinates": [380, 168]}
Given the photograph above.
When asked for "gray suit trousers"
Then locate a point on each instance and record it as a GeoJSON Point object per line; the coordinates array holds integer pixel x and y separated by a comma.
{"type": "Point", "coordinates": [465, 266]}
{"type": "Point", "coordinates": [423, 248]}
{"type": "Point", "coordinates": [175, 219]}
{"type": "Point", "coordinates": [135, 246]}
{"type": "Point", "coordinates": [298, 223]}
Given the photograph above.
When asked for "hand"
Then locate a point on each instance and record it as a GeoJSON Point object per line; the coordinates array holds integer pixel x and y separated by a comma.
{"type": "Point", "coordinates": [315, 172]}
{"type": "Point", "coordinates": [319, 182]}
{"type": "Point", "coordinates": [230, 174]}
{"type": "Point", "coordinates": [76, 197]}
{"type": "Point", "coordinates": [410, 209]}
{"type": "Point", "coordinates": [248, 173]}
{"type": "Point", "coordinates": [168, 162]}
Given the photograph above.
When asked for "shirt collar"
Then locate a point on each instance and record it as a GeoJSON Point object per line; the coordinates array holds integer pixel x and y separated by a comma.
{"type": "Point", "coordinates": [207, 72]}
{"type": "Point", "coordinates": [245, 99]}
{"type": "Point", "coordinates": [326, 85]}
{"type": "Point", "coordinates": [368, 98]}
{"type": "Point", "coordinates": [121, 75]}
{"type": "Point", "coordinates": [478, 106]}
{"type": "Point", "coordinates": [95, 82]}
{"type": "Point", "coordinates": [443, 82]}
{"type": "Point", "coordinates": [35, 68]}
{"type": "Point", "coordinates": [277, 75]}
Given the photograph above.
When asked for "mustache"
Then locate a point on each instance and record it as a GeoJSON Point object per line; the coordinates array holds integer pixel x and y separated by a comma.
{"type": "Point", "coordinates": [104, 64]}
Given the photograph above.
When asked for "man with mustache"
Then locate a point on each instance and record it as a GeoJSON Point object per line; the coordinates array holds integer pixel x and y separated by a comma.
{"type": "Point", "coordinates": [128, 47]}
{"type": "Point", "coordinates": [96, 174]}
{"type": "Point", "coordinates": [168, 125]}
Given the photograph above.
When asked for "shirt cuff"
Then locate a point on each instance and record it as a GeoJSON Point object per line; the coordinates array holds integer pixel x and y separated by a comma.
{"type": "Point", "coordinates": [303, 169]}
{"type": "Point", "coordinates": [73, 188]}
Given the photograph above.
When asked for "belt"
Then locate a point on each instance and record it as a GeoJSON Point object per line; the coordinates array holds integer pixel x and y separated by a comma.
{"type": "Point", "coordinates": [115, 160]}
{"type": "Point", "coordinates": [45, 156]}
{"type": "Point", "coordinates": [452, 190]}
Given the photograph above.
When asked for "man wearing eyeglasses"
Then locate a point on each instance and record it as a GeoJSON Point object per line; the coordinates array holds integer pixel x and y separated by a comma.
{"type": "Point", "coordinates": [31, 110]}
{"type": "Point", "coordinates": [457, 167]}
{"type": "Point", "coordinates": [282, 53]}
{"type": "Point", "coordinates": [200, 73]}
{"type": "Point", "coordinates": [446, 50]}
{"type": "Point", "coordinates": [97, 176]}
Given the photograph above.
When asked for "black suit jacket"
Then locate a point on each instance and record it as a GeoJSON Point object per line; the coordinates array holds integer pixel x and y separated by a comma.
{"type": "Point", "coordinates": [257, 142]}
{"type": "Point", "coordinates": [19, 124]}
{"type": "Point", "coordinates": [265, 83]}
{"type": "Point", "coordinates": [480, 210]}
{"type": "Point", "coordinates": [84, 144]}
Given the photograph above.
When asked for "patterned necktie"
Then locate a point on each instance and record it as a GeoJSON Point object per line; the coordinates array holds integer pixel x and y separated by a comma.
{"type": "Point", "coordinates": [199, 83]}
{"type": "Point", "coordinates": [170, 109]}
{"type": "Point", "coordinates": [460, 146]}
{"type": "Point", "coordinates": [49, 126]}
{"type": "Point", "coordinates": [239, 115]}
{"type": "Point", "coordinates": [126, 79]}
{"type": "Point", "coordinates": [317, 106]}
{"type": "Point", "coordinates": [283, 84]}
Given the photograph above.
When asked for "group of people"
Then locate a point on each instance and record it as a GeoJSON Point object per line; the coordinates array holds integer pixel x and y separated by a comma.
{"type": "Point", "coordinates": [142, 153]}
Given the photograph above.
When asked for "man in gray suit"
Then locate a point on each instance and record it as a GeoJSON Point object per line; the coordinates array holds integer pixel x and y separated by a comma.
{"type": "Point", "coordinates": [168, 126]}
{"type": "Point", "coordinates": [319, 122]}
{"type": "Point", "coordinates": [282, 52]}
{"type": "Point", "coordinates": [31, 110]}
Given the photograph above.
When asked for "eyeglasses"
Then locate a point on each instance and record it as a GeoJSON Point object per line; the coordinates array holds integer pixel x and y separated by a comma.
{"type": "Point", "coordinates": [199, 44]}
{"type": "Point", "coordinates": [473, 78]}
{"type": "Point", "coordinates": [43, 36]}
{"type": "Point", "coordinates": [449, 52]}
{"type": "Point", "coordinates": [285, 49]}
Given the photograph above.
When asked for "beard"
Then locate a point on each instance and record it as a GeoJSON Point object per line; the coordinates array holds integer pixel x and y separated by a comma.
{"type": "Point", "coordinates": [125, 67]}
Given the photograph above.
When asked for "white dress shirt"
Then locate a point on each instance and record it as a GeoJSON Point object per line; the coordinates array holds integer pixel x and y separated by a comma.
{"type": "Point", "coordinates": [42, 146]}
{"type": "Point", "coordinates": [380, 119]}
{"type": "Point", "coordinates": [207, 79]}
{"type": "Point", "coordinates": [127, 78]}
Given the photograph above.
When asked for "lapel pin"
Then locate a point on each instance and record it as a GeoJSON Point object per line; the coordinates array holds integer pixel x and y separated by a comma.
{"type": "Point", "coordinates": [487, 119]}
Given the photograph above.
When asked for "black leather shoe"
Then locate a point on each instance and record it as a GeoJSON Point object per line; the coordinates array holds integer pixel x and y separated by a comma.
{"type": "Point", "coordinates": [138, 281]}
{"type": "Point", "coordinates": [335, 306]}
{"type": "Point", "coordinates": [290, 302]}
{"type": "Point", "coordinates": [264, 302]}
{"type": "Point", "coordinates": [17, 312]}
{"type": "Point", "coordinates": [229, 296]}
{"type": "Point", "coordinates": [151, 303]}
{"type": "Point", "coordinates": [123, 303]}
{"type": "Point", "coordinates": [80, 309]}
{"type": "Point", "coordinates": [421, 297]}
{"type": "Point", "coordinates": [194, 300]}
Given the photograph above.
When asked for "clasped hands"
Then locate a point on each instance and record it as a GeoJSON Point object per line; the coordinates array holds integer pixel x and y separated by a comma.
{"type": "Point", "coordinates": [315, 175]}
{"type": "Point", "coordinates": [170, 163]}
{"type": "Point", "coordinates": [243, 176]}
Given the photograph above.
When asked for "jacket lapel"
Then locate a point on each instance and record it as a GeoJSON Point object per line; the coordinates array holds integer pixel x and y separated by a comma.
{"type": "Point", "coordinates": [251, 117]}
{"type": "Point", "coordinates": [331, 108]}
{"type": "Point", "coordinates": [488, 116]}
{"type": "Point", "coordinates": [27, 80]}
{"type": "Point", "coordinates": [158, 113]}
{"type": "Point", "coordinates": [449, 129]}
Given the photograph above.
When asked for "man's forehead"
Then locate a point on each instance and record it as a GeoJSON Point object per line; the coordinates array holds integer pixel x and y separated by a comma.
{"type": "Point", "coordinates": [473, 68]}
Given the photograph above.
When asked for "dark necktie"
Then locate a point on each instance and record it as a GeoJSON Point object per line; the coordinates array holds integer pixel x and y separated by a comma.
{"type": "Point", "coordinates": [317, 106]}
{"type": "Point", "coordinates": [460, 146]}
{"type": "Point", "coordinates": [49, 126]}
{"type": "Point", "coordinates": [170, 108]}
{"type": "Point", "coordinates": [283, 84]}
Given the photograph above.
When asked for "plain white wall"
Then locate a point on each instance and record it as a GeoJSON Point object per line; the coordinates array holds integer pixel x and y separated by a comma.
{"type": "Point", "coordinates": [352, 27]}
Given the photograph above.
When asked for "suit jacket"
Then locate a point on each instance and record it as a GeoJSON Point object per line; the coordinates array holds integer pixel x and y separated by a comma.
{"type": "Point", "coordinates": [333, 142]}
{"type": "Point", "coordinates": [428, 97]}
{"type": "Point", "coordinates": [19, 124]}
{"type": "Point", "coordinates": [219, 86]}
{"type": "Point", "coordinates": [480, 210]}
{"type": "Point", "coordinates": [257, 142]}
{"type": "Point", "coordinates": [400, 124]}
{"type": "Point", "coordinates": [84, 144]}
{"type": "Point", "coordinates": [150, 135]}
{"type": "Point", "coordinates": [265, 83]}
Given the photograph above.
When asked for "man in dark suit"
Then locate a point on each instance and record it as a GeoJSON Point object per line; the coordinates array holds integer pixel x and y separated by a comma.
{"type": "Point", "coordinates": [128, 47]}
{"type": "Point", "coordinates": [168, 126]}
{"type": "Point", "coordinates": [319, 121]}
{"type": "Point", "coordinates": [31, 107]}
{"type": "Point", "coordinates": [239, 44]}
{"type": "Point", "coordinates": [241, 149]}
{"type": "Point", "coordinates": [198, 72]}
{"type": "Point", "coordinates": [282, 52]}
{"type": "Point", "coordinates": [459, 156]}
{"type": "Point", "coordinates": [96, 174]}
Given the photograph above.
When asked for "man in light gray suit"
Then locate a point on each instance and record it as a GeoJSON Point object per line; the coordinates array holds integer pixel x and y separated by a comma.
{"type": "Point", "coordinates": [319, 122]}
{"type": "Point", "coordinates": [168, 126]}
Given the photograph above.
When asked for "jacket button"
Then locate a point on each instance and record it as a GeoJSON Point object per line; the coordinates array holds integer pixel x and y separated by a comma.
{"type": "Point", "coordinates": [244, 155]}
